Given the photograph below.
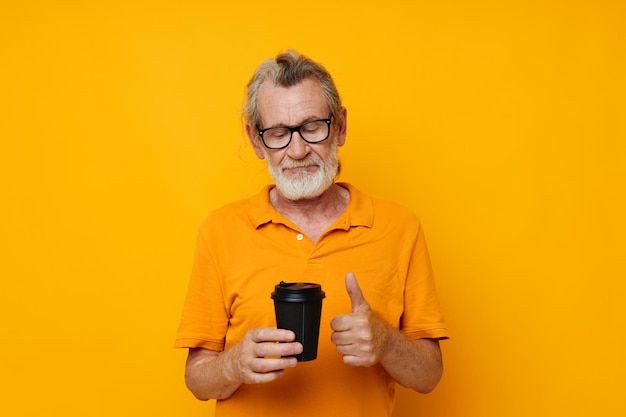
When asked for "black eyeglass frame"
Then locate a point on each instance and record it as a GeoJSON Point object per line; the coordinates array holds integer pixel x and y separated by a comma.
{"type": "Point", "coordinates": [295, 129]}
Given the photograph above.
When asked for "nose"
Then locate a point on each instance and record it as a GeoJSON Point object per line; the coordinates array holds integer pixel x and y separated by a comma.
{"type": "Point", "coordinates": [298, 148]}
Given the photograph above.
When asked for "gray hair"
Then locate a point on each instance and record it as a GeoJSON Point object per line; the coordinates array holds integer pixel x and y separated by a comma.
{"type": "Point", "coordinates": [289, 68]}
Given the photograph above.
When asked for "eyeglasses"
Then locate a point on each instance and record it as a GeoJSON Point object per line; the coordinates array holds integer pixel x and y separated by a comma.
{"type": "Point", "coordinates": [279, 137]}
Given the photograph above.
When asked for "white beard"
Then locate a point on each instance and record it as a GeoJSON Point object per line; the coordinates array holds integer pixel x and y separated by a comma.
{"type": "Point", "coordinates": [304, 185]}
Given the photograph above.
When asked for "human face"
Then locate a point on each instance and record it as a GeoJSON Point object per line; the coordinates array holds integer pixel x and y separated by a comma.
{"type": "Point", "coordinates": [301, 170]}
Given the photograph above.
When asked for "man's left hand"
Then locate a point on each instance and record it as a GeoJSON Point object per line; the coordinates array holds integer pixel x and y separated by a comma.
{"type": "Point", "coordinates": [361, 337]}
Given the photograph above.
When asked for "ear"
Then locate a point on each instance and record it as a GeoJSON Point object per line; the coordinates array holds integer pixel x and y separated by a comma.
{"type": "Point", "coordinates": [342, 126]}
{"type": "Point", "coordinates": [255, 141]}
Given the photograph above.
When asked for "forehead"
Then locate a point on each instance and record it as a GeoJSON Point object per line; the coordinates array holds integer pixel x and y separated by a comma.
{"type": "Point", "coordinates": [291, 105]}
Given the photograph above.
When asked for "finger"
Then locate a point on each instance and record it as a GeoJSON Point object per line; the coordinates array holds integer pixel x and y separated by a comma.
{"type": "Point", "coordinates": [341, 323]}
{"type": "Point", "coordinates": [265, 370]}
{"type": "Point", "coordinates": [356, 296]}
{"type": "Point", "coordinates": [341, 338]}
{"type": "Point", "coordinates": [273, 349]}
{"type": "Point", "coordinates": [268, 365]}
{"type": "Point", "coordinates": [355, 360]}
{"type": "Point", "coordinates": [272, 334]}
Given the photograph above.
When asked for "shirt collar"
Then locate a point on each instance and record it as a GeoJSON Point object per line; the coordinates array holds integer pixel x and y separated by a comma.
{"type": "Point", "coordinates": [360, 210]}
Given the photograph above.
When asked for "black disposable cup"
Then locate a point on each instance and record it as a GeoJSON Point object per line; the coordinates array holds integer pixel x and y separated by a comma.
{"type": "Point", "coordinates": [298, 307]}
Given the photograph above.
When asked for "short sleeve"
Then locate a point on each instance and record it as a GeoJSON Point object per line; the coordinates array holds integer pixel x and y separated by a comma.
{"type": "Point", "coordinates": [205, 318]}
{"type": "Point", "coordinates": [422, 317]}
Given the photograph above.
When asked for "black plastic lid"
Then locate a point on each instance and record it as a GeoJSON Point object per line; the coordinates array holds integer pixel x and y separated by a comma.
{"type": "Point", "coordinates": [298, 292]}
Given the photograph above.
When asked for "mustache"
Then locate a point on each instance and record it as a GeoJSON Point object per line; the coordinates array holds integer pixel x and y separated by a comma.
{"type": "Point", "coordinates": [310, 161]}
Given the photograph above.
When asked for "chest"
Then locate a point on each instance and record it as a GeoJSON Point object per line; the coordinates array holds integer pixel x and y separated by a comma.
{"type": "Point", "coordinates": [282, 254]}
{"type": "Point", "coordinates": [313, 229]}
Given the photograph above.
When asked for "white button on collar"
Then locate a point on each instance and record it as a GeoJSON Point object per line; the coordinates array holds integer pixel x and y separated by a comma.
{"type": "Point", "coordinates": [300, 236]}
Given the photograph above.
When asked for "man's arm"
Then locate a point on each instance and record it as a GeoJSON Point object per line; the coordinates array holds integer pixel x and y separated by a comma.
{"type": "Point", "coordinates": [255, 360]}
{"type": "Point", "coordinates": [364, 339]}
{"type": "Point", "coordinates": [415, 364]}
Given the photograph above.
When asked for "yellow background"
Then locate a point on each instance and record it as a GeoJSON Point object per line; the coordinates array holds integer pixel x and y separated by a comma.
{"type": "Point", "coordinates": [501, 123]}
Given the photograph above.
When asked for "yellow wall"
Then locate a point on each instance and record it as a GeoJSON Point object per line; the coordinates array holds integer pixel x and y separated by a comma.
{"type": "Point", "coordinates": [501, 123]}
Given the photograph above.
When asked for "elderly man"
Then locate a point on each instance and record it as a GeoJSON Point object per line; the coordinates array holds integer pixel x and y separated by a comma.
{"type": "Point", "coordinates": [381, 323]}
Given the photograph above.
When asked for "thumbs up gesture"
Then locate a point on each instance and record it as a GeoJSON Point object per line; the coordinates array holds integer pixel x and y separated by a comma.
{"type": "Point", "coordinates": [361, 336]}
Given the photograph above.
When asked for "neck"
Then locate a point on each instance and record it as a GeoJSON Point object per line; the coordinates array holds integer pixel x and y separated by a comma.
{"type": "Point", "coordinates": [329, 205]}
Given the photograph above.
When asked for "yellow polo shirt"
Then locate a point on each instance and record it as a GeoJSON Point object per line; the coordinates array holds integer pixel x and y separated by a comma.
{"type": "Point", "coordinates": [245, 248]}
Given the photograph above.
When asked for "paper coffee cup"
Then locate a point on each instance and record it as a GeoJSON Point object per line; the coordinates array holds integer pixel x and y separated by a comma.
{"type": "Point", "coordinates": [298, 307]}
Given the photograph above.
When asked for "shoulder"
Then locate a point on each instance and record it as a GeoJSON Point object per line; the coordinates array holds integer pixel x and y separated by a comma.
{"type": "Point", "coordinates": [392, 209]}
{"type": "Point", "coordinates": [228, 211]}
{"type": "Point", "coordinates": [238, 214]}
{"type": "Point", "coordinates": [395, 218]}
{"type": "Point", "coordinates": [383, 210]}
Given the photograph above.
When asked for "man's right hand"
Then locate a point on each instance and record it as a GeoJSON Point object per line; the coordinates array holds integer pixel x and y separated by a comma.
{"type": "Point", "coordinates": [257, 359]}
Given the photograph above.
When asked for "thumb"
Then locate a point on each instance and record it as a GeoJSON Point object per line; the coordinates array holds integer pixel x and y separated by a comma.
{"type": "Point", "coordinates": [356, 296]}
